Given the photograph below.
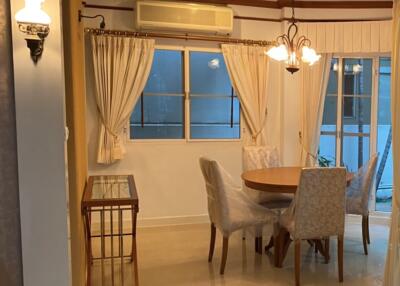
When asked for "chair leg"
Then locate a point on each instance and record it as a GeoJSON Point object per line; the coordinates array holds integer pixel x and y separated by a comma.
{"type": "Point", "coordinates": [368, 238]}
{"type": "Point", "coordinates": [258, 244]}
{"type": "Point", "coordinates": [270, 244]}
{"type": "Point", "coordinates": [224, 255]}
{"type": "Point", "coordinates": [364, 234]}
{"type": "Point", "coordinates": [340, 257]}
{"type": "Point", "coordinates": [297, 259]}
{"type": "Point", "coordinates": [212, 243]}
{"type": "Point", "coordinates": [327, 255]}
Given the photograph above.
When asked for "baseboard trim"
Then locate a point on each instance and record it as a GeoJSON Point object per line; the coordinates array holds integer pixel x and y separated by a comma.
{"type": "Point", "coordinates": [374, 218]}
{"type": "Point", "coordinates": [172, 220]}
{"type": "Point", "coordinates": [158, 221]}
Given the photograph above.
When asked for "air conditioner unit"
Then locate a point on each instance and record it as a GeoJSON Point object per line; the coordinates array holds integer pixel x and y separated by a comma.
{"type": "Point", "coordinates": [183, 17]}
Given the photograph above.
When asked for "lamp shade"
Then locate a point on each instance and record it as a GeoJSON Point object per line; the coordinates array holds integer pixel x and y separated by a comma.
{"type": "Point", "coordinates": [279, 53]}
{"type": "Point", "coordinates": [33, 13]}
{"type": "Point", "coordinates": [309, 55]}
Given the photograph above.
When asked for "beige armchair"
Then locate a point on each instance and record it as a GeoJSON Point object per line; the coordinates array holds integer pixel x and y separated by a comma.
{"type": "Point", "coordinates": [230, 208]}
{"type": "Point", "coordinates": [317, 212]}
{"type": "Point", "coordinates": [358, 194]}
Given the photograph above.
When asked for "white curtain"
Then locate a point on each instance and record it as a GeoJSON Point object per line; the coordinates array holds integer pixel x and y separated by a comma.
{"type": "Point", "coordinates": [392, 267]}
{"type": "Point", "coordinates": [121, 68]}
{"type": "Point", "coordinates": [313, 84]}
{"type": "Point", "coordinates": [248, 71]}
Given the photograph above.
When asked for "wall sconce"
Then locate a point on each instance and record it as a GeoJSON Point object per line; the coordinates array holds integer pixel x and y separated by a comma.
{"type": "Point", "coordinates": [34, 22]}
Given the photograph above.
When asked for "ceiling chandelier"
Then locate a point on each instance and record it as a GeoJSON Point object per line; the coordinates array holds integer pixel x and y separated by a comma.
{"type": "Point", "coordinates": [290, 49]}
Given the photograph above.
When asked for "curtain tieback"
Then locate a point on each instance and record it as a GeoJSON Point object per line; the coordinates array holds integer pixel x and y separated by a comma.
{"type": "Point", "coordinates": [107, 127]}
{"type": "Point", "coordinates": [254, 136]}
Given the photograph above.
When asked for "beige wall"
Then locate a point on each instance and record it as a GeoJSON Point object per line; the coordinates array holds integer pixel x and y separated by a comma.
{"type": "Point", "coordinates": [40, 117]}
{"type": "Point", "coordinates": [10, 235]}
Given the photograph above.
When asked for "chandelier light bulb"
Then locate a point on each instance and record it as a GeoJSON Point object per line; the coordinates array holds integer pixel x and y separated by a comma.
{"type": "Point", "coordinates": [278, 53]}
{"type": "Point", "coordinates": [33, 13]}
{"type": "Point", "coordinates": [309, 56]}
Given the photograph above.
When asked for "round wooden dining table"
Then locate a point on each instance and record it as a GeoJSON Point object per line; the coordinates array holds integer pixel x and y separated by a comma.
{"type": "Point", "coordinates": [277, 180]}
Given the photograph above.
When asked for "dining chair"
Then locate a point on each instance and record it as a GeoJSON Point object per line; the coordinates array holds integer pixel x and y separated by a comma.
{"type": "Point", "coordinates": [262, 157]}
{"type": "Point", "coordinates": [317, 213]}
{"type": "Point", "coordinates": [358, 194]}
{"type": "Point", "coordinates": [229, 208]}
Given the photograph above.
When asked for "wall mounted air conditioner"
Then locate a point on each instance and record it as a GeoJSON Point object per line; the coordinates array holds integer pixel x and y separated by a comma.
{"type": "Point", "coordinates": [183, 17]}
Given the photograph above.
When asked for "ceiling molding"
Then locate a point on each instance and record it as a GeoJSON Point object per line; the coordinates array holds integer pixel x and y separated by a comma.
{"type": "Point", "coordinates": [279, 4]}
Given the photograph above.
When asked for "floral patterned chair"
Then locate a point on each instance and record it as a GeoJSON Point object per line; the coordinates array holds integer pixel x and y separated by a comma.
{"type": "Point", "coordinates": [358, 194]}
{"type": "Point", "coordinates": [229, 208]}
{"type": "Point", "coordinates": [317, 213]}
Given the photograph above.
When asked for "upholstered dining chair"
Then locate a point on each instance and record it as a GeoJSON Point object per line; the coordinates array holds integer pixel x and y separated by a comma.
{"type": "Point", "coordinates": [229, 208]}
{"type": "Point", "coordinates": [262, 157]}
{"type": "Point", "coordinates": [317, 212]}
{"type": "Point", "coordinates": [358, 194]}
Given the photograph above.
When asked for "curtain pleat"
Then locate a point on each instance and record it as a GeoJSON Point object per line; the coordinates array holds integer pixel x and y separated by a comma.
{"type": "Point", "coordinates": [314, 81]}
{"type": "Point", "coordinates": [392, 267]}
{"type": "Point", "coordinates": [248, 70]}
{"type": "Point", "coordinates": [121, 68]}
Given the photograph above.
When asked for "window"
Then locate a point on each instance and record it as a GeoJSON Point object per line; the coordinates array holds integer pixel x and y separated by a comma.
{"type": "Point", "coordinates": [213, 109]}
{"type": "Point", "coordinates": [356, 120]}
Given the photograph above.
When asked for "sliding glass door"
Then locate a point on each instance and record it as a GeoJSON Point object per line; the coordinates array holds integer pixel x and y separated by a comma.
{"type": "Point", "coordinates": [356, 120]}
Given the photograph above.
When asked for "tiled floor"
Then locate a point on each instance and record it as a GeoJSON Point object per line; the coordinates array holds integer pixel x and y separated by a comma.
{"type": "Point", "coordinates": [177, 255]}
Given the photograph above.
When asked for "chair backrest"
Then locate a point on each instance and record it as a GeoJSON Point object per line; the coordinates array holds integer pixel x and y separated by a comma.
{"type": "Point", "coordinates": [260, 157]}
{"type": "Point", "coordinates": [361, 185]}
{"type": "Point", "coordinates": [320, 203]}
{"type": "Point", "coordinates": [215, 180]}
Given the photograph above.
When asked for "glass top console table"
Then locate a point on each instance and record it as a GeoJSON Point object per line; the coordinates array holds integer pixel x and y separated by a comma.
{"type": "Point", "coordinates": [110, 205]}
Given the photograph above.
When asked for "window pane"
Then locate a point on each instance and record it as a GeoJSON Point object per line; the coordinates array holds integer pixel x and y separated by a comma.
{"type": "Point", "coordinates": [357, 77]}
{"type": "Point", "coordinates": [158, 115]}
{"type": "Point", "coordinates": [355, 152]}
{"type": "Point", "coordinates": [212, 118]}
{"type": "Point", "coordinates": [162, 118]}
{"type": "Point", "coordinates": [208, 74]}
{"type": "Point", "coordinates": [327, 150]}
{"type": "Point", "coordinates": [384, 176]}
{"type": "Point", "coordinates": [166, 74]}
{"type": "Point", "coordinates": [359, 120]}
{"type": "Point", "coordinates": [214, 108]}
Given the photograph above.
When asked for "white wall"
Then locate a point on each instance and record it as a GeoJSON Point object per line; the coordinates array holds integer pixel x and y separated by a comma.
{"type": "Point", "coordinates": [39, 96]}
{"type": "Point", "coordinates": [167, 175]}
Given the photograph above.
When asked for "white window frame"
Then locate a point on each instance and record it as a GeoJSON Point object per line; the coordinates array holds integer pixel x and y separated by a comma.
{"type": "Point", "coordinates": [186, 90]}
{"type": "Point", "coordinates": [374, 111]}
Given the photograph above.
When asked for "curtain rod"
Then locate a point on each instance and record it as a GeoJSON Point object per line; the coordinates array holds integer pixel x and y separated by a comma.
{"type": "Point", "coordinates": [178, 36]}
{"type": "Point", "coordinates": [121, 8]}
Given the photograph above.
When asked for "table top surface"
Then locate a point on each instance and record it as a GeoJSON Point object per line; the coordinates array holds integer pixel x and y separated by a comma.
{"type": "Point", "coordinates": [279, 179]}
{"type": "Point", "coordinates": [109, 190]}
